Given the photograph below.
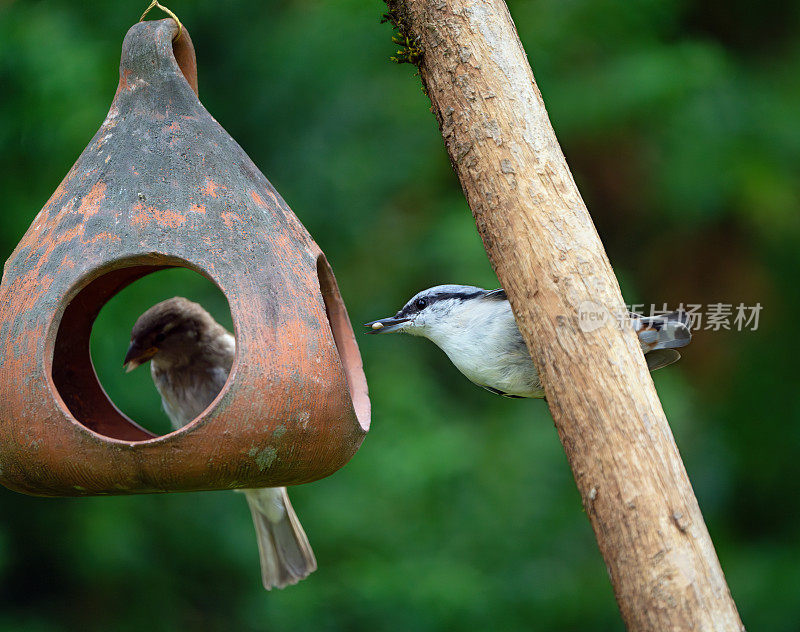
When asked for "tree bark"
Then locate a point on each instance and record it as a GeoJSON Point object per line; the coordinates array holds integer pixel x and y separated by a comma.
{"type": "Point", "coordinates": [548, 256]}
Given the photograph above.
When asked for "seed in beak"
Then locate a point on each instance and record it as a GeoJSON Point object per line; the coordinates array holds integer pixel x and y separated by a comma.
{"type": "Point", "coordinates": [377, 325]}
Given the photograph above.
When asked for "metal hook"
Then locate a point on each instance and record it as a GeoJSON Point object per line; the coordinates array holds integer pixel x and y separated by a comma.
{"type": "Point", "coordinates": [155, 3]}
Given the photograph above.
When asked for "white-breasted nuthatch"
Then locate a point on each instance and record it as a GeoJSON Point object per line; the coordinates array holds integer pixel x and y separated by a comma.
{"type": "Point", "coordinates": [477, 331]}
{"type": "Point", "coordinates": [190, 357]}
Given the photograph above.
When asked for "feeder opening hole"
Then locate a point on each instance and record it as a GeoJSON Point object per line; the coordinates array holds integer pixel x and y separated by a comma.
{"type": "Point", "coordinates": [92, 339]}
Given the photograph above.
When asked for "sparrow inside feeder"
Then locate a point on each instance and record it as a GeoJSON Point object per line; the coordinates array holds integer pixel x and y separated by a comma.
{"type": "Point", "coordinates": [160, 185]}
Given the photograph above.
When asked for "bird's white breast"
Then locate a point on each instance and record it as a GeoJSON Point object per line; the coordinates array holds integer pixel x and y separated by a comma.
{"type": "Point", "coordinates": [482, 340]}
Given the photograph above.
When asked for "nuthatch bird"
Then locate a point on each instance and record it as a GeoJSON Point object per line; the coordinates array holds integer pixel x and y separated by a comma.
{"type": "Point", "coordinates": [190, 358]}
{"type": "Point", "coordinates": [477, 331]}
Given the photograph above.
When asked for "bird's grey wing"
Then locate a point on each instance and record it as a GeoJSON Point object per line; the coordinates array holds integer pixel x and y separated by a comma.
{"type": "Point", "coordinates": [498, 295]}
{"type": "Point", "coordinates": [497, 391]}
{"type": "Point", "coordinates": [660, 358]}
{"type": "Point", "coordinates": [662, 332]}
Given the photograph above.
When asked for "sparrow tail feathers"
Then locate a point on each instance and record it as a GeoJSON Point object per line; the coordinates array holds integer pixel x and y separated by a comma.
{"type": "Point", "coordinates": [286, 556]}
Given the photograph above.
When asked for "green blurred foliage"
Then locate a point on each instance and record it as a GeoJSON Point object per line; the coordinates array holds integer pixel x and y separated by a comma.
{"type": "Point", "coordinates": [680, 122]}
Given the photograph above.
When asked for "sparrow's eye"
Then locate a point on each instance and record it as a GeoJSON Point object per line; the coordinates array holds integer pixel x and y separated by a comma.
{"type": "Point", "coordinates": [421, 303]}
{"type": "Point", "coordinates": [160, 337]}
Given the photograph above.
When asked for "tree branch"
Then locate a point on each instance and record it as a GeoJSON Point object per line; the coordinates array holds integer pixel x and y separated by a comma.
{"type": "Point", "coordinates": [548, 256]}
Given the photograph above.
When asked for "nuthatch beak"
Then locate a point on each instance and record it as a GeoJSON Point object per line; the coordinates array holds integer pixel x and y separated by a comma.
{"type": "Point", "coordinates": [385, 325]}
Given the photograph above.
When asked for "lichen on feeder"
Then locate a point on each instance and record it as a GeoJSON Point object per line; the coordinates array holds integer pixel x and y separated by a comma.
{"type": "Point", "coordinates": [162, 185]}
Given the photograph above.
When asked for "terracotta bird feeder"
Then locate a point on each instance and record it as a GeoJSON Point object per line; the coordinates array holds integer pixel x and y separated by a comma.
{"type": "Point", "coordinates": [163, 185]}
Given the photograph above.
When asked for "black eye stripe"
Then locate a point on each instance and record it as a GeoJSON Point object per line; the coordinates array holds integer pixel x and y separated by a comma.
{"type": "Point", "coordinates": [442, 296]}
{"type": "Point", "coordinates": [414, 306]}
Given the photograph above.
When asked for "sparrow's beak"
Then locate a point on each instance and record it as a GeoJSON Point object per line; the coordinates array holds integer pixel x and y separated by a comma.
{"type": "Point", "coordinates": [137, 356]}
{"type": "Point", "coordinates": [386, 325]}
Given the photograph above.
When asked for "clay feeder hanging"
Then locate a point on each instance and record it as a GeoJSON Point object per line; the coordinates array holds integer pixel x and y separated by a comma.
{"type": "Point", "coordinates": [163, 185]}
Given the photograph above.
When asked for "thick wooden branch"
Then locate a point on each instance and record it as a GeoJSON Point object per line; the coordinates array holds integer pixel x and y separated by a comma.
{"type": "Point", "coordinates": [547, 254]}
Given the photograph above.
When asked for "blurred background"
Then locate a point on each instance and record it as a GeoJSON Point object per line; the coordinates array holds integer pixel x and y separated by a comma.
{"type": "Point", "coordinates": [680, 122]}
